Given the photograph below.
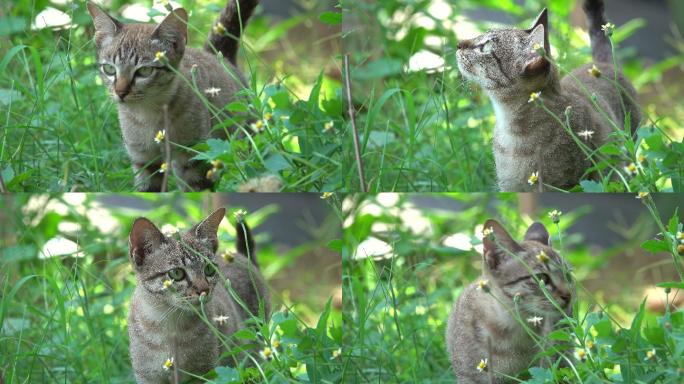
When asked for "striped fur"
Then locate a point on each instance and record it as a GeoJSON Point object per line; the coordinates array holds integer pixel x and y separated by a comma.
{"type": "Point", "coordinates": [163, 321]}
{"type": "Point", "coordinates": [481, 327]}
{"type": "Point", "coordinates": [233, 18]}
{"type": "Point", "coordinates": [131, 49]}
{"type": "Point", "coordinates": [527, 138]}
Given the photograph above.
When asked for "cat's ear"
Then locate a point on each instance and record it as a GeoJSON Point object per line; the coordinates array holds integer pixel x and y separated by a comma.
{"type": "Point", "coordinates": [537, 232]}
{"type": "Point", "coordinates": [105, 25]}
{"type": "Point", "coordinates": [539, 31]}
{"type": "Point", "coordinates": [497, 244]}
{"type": "Point", "coordinates": [173, 29]}
{"type": "Point", "coordinates": [207, 230]}
{"type": "Point", "coordinates": [143, 240]}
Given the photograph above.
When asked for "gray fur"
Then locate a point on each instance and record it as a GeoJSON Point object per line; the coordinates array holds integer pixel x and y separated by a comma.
{"type": "Point", "coordinates": [163, 322]}
{"type": "Point", "coordinates": [140, 99]}
{"type": "Point", "coordinates": [480, 327]}
{"type": "Point", "coordinates": [526, 138]}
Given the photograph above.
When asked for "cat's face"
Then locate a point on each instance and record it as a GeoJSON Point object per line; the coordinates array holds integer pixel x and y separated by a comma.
{"type": "Point", "coordinates": [178, 270]}
{"type": "Point", "coordinates": [127, 54]}
{"type": "Point", "coordinates": [534, 262]}
{"type": "Point", "coordinates": [505, 60]}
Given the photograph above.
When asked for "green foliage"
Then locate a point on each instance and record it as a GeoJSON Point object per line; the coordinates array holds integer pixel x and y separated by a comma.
{"type": "Point", "coordinates": [60, 128]}
{"type": "Point", "coordinates": [63, 316]}
{"type": "Point", "coordinates": [423, 128]}
{"type": "Point", "coordinates": [404, 267]}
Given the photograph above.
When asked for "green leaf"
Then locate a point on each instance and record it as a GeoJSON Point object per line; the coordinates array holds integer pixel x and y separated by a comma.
{"type": "Point", "coordinates": [378, 69]}
{"type": "Point", "coordinates": [655, 246]}
{"type": "Point", "coordinates": [276, 163]}
{"type": "Point", "coordinates": [227, 375]}
{"type": "Point", "coordinates": [217, 148]}
{"type": "Point", "coordinates": [331, 18]}
{"type": "Point", "coordinates": [671, 284]}
{"type": "Point", "coordinates": [591, 186]}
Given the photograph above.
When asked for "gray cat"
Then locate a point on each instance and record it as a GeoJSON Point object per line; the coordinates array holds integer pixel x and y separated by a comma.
{"type": "Point", "coordinates": [134, 61]}
{"type": "Point", "coordinates": [483, 337]}
{"type": "Point", "coordinates": [177, 276]}
{"type": "Point", "coordinates": [508, 66]}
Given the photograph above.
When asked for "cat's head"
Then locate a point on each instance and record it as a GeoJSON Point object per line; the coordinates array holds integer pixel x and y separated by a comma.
{"type": "Point", "coordinates": [176, 269]}
{"type": "Point", "coordinates": [127, 54]}
{"type": "Point", "coordinates": [506, 61]}
{"type": "Point", "coordinates": [517, 268]}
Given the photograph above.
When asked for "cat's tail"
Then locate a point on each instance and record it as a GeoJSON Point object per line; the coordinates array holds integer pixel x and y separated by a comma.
{"type": "Point", "coordinates": [225, 35]}
{"type": "Point", "coordinates": [245, 242]}
{"type": "Point", "coordinates": [600, 44]}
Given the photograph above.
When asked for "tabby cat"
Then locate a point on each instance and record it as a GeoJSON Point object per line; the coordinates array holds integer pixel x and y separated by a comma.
{"type": "Point", "coordinates": [139, 64]}
{"type": "Point", "coordinates": [530, 147]}
{"type": "Point", "coordinates": [484, 339]}
{"type": "Point", "coordinates": [176, 277]}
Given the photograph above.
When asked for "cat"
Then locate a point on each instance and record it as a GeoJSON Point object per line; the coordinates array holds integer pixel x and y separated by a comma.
{"type": "Point", "coordinates": [482, 330]}
{"type": "Point", "coordinates": [174, 274]}
{"type": "Point", "coordinates": [509, 66]}
{"type": "Point", "coordinates": [134, 62]}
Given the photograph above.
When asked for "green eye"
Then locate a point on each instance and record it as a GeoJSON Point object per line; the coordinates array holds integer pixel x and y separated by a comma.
{"type": "Point", "coordinates": [144, 71]}
{"type": "Point", "coordinates": [209, 270]}
{"type": "Point", "coordinates": [109, 69]}
{"type": "Point", "coordinates": [177, 274]}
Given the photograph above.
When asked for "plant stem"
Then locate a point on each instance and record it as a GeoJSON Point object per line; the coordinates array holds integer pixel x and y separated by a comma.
{"type": "Point", "coordinates": [355, 132]}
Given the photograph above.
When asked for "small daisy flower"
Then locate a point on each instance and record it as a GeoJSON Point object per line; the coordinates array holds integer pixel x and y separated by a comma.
{"type": "Point", "coordinates": [483, 285]}
{"type": "Point", "coordinates": [680, 237]}
{"type": "Point", "coordinates": [594, 71]}
{"type": "Point", "coordinates": [213, 91]}
{"type": "Point", "coordinates": [543, 257]}
{"type": "Point", "coordinates": [221, 319]}
{"type": "Point", "coordinates": [240, 214]}
{"type": "Point", "coordinates": [228, 257]}
{"type": "Point", "coordinates": [555, 216]}
{"type": "Point", "coordinates": [581, 354]}
{"type": "Point", "coordinates": [586, 134]}
{"type": "Point", "coordinates": [642, 195]}
{"type": "Point", "coordinates": [641, 158]}
{"type": "Point", "coordinates": [482, 366]}
{"type": "Point", "coordinates": [219, 29]}
{"type": "Point", "coordinates": [275, 343]}
{"type": "Point", "coordinates": [589, 344]}
{"type": "Point", "coordinates": [534, 97]}
{"type": "Point", "coordinates": [538, 48]}
{"type": "Point", "coordinates": [336, 353]}
{"type": "Point", "coordinates": [326, 195]}
{"type": "Point", "coordinates": [631, 169]}
{"type": "Point", "coordinates": [328, 126]}
{"type": "Point", "coordinates": [268, 116]}
{"type": "Point", "coordinates": [217, 164]}
{"type": "Point", "coordinates": [534, 177]}
{"type": "Point", "coordinates": [159, 137]}
{"type": "Point", "coordinates": [168, 364]}
{"type": "Point", "coordinates": [266, 354]}
{"type": "Point", "coordinates": [420, 310]}
{"type": "Point", "coordinates": [487, 232]}
{"type": "Point", "coordinates": [160, 56]}
{"type": "Point", "coordinates": [167, 283]}
{"type": "Point", "coordinates": [535, 320]}
{"type": "Point", "coordinates": [650, 354]}
{"type": "Point", "coordinates": [680, 249]}
{"type": "Point", "coordinates": [608, 28]}
{"type": "Point", "coordinates": [163, 167]}
{"type": "Point", "coordinates": [257, 126]}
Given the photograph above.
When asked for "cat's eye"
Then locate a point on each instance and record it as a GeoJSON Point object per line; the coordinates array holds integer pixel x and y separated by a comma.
{"type": "Point", "coordinates": [177, 274]}
{"type": "Point", "coordinates": [209, 270]}
{"type": "Point", "coordinates": [144, 71]}
{"type": "Point", "coordinates": [109, 69]}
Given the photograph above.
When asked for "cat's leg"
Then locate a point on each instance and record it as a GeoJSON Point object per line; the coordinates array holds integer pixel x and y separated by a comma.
{"type": "Point", "coordinates": [147, 177]}
{"type": "Point", "coordinates": [192, 174]}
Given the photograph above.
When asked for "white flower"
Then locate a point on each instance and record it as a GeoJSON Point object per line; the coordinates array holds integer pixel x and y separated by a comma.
{"type": "Point", "coordinates": [240, 214]}
{"type": "Point", "coordinates": [159, 137]}
{"type": "Point", "coordinates": [532, 180]}
{"type": "Point", "coordinates": [160, 56]}
{"type": "Point", "coordinates": [266, 354]}
{"type": "Point", "coordinates": [336, 353]}
{"type": "Point", "coordinates": [168, 364]}
{"type": "Point", "coordinates": [555, 215]}
{"type": "Point", "coordinates": [534, 97]}
{"type": "Point", "coordinates": [213, 91]}
{"type": "Point", "coordinates": [586, 134]}
{"type": "Point", "coordinates": [166, 283]}
{"type": "Point", "coordinates": [650, 354]}
{"type": "Point", "coordinates": [222, 319]}
{"type": "Point", "coordinates": [642, 195]}
{"type": "Point", "coordinates": [535, 320]}
{"type": "Point", "coordinates": [482, 366]}
{"type": "Point", "coordinates": [326, 195]}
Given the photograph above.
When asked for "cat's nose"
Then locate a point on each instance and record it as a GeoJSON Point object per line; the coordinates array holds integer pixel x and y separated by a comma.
{"type": "Point", "coordinates": [465, 44]}
{"type": "Point", "coordinates": [122, 87]}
